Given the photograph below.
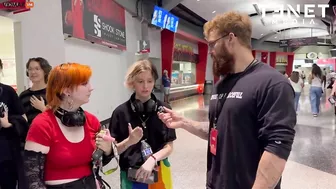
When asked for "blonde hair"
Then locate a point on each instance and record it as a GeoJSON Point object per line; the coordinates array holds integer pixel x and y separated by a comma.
{"type": "Point", "coordinates": [235, 22]}
{"type": "Point", "coordinates": [137, 68]}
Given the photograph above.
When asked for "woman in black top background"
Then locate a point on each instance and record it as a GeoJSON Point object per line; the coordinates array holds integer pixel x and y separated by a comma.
{"type": "Point", "coordinates": [13, 129]}
{"type": "Point", "coordinates": [137, 120]}
{"type": "Point", "coordinates": [34, 98]}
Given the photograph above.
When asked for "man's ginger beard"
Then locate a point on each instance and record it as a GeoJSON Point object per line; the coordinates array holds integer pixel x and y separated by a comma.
{"type": "Point", "coordinates": [222, 62]}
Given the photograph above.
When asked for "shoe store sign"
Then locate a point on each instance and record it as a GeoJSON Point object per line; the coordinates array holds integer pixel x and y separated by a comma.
{"type": "Point", "coordinates": [290, 14]}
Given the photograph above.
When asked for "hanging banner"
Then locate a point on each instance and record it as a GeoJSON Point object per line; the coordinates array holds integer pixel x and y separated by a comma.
{"type": "Point", "coordinates": [98, 21]}
{"type": "Point", "coordinates": [298, 42]}
{"type": "Point", "coordinates": [184, 53]}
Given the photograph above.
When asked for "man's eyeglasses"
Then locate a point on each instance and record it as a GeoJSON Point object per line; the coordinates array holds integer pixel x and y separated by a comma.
{"type": "Point", "coordinates": [213, 43]}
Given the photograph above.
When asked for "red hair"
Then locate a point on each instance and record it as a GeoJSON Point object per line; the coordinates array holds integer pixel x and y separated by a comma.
{"type": "Point", "coordinates": [68, 75]}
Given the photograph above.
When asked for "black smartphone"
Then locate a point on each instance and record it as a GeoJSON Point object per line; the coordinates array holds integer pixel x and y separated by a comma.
{"type": "Point", "coordinates": [332, 100]}
{"type": "Point", "coordinates": [153, 178]}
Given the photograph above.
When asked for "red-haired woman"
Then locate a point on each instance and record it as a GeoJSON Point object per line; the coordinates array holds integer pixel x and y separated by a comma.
{"type": "Point", "coordinates": [61, 140]}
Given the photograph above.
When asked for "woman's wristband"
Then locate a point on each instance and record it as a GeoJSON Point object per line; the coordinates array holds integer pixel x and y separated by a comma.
{"type": "Point", "coordinates": [153, 157]}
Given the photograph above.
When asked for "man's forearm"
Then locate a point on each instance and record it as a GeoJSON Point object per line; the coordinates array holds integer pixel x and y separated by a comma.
{"type": "Point", "coordinates": [269, 171]}
{"type": "Point", "coordinates": [200, 129]}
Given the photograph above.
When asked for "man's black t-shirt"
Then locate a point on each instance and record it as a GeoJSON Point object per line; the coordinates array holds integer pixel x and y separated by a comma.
{"type": "Point", "coordinates": [156, 133]}
{"type": "Point", "coordinates": [10, 100]}
{"type": "Point", "coordinates": [258, 115]}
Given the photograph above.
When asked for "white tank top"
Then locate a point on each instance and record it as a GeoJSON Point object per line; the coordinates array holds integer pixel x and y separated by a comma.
{"type": "Point", "coordinates": [316, 82]}
{"type": "Point", "coordinates": [297, 86]}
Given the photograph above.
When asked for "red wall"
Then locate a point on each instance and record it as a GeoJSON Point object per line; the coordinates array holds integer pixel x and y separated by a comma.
{"type": "Point", "coordinates": [290, 61]}
{"type": "Point", "coordinates": [202, 62]}
{"type": "Point", "coordinates": [167, 50]}
{"type": "Point", "coordinates": [264, 57]}
{"type": "Point", "coordinates": [272, 59]}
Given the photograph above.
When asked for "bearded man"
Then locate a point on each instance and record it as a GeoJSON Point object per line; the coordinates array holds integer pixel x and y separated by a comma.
{"type": "Point", "coordinates": [252, 117]}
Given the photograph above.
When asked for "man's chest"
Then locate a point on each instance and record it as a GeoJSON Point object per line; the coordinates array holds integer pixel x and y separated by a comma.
{"type": "Point", "coordinates": [240, 101]}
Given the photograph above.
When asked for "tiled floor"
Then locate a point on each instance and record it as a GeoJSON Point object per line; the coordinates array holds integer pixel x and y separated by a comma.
{"type": "Point", "coordinates": [312, 164]}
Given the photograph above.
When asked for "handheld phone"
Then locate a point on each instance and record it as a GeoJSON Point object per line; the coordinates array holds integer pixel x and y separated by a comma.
{"type": "Point", "coordinates": [153, 178]}
{"type": "Point", "coordinates": [332, 100]}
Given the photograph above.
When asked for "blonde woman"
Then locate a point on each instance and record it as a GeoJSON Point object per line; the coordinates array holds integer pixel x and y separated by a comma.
{"type": "Point", "coordinates": [135, 123]}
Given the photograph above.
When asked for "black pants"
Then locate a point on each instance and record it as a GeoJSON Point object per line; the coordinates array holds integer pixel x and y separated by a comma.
{"type": "Point", "coordinates": [8, 175]}
{"type": "Point", "coordinates": [88, 182]}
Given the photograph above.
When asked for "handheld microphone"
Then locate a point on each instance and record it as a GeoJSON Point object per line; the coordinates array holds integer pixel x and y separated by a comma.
{"type": "Point", "coordinates": [98, 153]}
{"type": "Point", "coordinates": [161, 109]}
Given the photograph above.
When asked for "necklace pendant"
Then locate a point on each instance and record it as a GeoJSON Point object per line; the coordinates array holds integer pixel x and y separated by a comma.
{"type": "Point", "coordinates": [144, 124]}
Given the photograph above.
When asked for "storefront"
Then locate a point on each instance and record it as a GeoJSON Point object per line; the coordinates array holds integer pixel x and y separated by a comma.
{"type": "Point", "coordinates": [185, 58]}
{"type": "Point", "coordinates": [184, 66]}
{"type": "Point", "coordinates": [183, 76]}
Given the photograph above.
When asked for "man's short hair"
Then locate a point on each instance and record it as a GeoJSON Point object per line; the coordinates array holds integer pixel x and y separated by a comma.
{"type": "Point", "coordinates": [235, 22]}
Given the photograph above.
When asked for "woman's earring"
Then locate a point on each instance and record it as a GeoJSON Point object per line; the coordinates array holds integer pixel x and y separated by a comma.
{"type": "Point", "coordinates": [70, 103]}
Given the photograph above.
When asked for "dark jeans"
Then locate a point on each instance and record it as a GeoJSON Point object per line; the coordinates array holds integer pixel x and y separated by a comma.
{"type": "Point", "coordinates": [8, 175]}
{"type": "Point", "coordinates": [297, 99]}
{"type": "Point", "coordinates": [88, 182]}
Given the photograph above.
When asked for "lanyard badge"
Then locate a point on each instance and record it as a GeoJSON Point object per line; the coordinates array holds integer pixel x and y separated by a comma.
{"type": "Point", "coordinates": [213, 140]}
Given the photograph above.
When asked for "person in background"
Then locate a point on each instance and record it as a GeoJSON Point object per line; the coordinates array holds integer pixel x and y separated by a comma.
{"type": "Point", "coordinates": [136, 121]}
{"type": "Point", "coordinates": [303, 76]}
{"type": "Point", "coordinates": [297, 85]}
{"type": "Point", "coordinates": [34, 98]}
{"type": "Point", "coordinates": [330, 79]}
{"type": "Point", "coordinates": [333, 95]}
{"type": "Point", "coordinates": [315, 91]}
{"type": "Point", "coordinates": [251, 130]}
{"type": "Point", "coordinates": [13, 128]}
{"type": "Point", "coordinates": [283, 72]}
{"type": "Point", "coordinates": [62, 139]}
{"type": "Point", "coordinates": [166, 85]}
{"type": "Point", "coordinates": [324, 77]}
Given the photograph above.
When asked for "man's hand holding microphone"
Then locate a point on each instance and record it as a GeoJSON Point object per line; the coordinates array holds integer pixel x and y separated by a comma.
{"type": "Point", "coordinates": [171, 119]}
{"type": "Point", "coordinates": [174, 121]}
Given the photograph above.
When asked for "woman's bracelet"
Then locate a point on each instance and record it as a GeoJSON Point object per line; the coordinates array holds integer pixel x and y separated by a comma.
{"type": "Point", "coordinates": [153, 157]}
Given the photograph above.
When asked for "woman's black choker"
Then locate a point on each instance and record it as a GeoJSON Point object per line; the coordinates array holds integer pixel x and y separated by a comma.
{"type": "Point", "coordinates": [71, 119]}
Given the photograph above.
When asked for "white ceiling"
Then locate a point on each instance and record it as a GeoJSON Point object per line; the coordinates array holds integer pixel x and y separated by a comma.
{"type": "Point", "coordinates": [6, 25]}
{"type": "Point", "coordinates": [209, 8]}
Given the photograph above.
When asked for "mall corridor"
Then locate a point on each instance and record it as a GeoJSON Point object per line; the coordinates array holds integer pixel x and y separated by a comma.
{"type": "Point", "coordinates": [312, 164]}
